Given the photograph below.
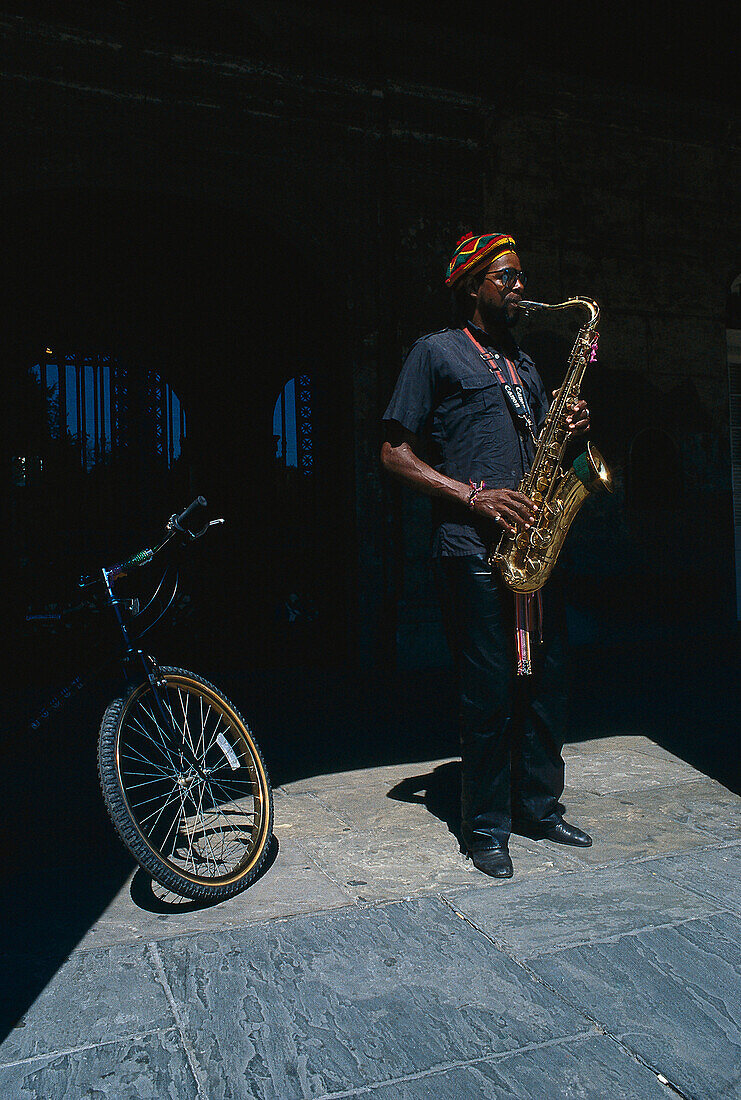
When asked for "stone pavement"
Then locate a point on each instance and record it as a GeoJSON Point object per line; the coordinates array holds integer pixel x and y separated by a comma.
{"type": "Point", "coordinates": [372, 960]}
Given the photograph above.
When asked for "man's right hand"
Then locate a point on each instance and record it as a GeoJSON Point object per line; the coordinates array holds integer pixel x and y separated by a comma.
{"type": "Point", "coordinates": [505, 507]}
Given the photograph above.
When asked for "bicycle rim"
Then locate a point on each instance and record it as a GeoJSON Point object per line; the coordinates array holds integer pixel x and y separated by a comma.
{"type": "Point", "coordinates": [194, 787]}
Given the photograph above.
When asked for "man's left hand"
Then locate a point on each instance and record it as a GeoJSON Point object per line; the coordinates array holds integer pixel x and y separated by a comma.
{"type": "Point", "coordinates": [578, 417]}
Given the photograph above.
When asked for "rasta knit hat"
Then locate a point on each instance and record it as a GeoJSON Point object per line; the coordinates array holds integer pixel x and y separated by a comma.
{"type": "Point", "coordinates": [472, 253]}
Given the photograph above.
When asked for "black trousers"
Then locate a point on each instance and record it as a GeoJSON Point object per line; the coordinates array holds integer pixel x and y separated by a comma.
{"type": "Point", "coordinates": [512, 728]}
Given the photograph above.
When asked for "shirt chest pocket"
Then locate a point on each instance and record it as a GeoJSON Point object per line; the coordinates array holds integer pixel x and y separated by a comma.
{"type": "Point", "coordinates": [481, 393]}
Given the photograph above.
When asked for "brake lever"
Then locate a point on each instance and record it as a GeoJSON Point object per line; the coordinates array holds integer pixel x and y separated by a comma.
{"type": "Point", "coordinates": [173, 525]}
{"type": "Point", "coordinates": [211, 523]}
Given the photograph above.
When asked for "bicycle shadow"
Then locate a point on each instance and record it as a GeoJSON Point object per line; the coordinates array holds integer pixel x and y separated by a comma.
{"type": "Point", "coordinates": [149, 895]}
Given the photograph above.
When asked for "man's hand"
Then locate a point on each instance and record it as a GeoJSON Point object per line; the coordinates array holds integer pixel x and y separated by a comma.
{"type": "Point", "coordinates": [578, 418]}
{"type": "Point", "coordinates": [505, 507]}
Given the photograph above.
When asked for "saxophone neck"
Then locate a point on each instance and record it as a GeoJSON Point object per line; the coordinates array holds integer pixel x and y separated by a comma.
{"type": "Point", "coordinates": [570, 303]}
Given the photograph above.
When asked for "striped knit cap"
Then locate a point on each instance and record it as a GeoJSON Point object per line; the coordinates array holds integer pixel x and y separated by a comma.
{"type": "Point", "coordinates": [473, 253]}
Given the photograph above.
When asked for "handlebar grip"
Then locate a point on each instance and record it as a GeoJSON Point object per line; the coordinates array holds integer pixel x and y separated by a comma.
{"type": "Point", "coordinates": [199, 502]}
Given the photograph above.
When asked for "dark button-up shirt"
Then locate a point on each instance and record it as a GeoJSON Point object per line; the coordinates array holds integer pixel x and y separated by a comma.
{"type": "Point", "coordinates": [447, 394]}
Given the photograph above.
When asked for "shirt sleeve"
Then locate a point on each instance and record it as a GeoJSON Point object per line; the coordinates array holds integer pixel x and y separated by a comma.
{"type": "Point", "coordinates": [413, 399]}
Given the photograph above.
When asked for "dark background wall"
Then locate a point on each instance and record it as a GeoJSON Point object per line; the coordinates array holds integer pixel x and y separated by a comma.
{"type": "Point", "coordinates": [240, 196]}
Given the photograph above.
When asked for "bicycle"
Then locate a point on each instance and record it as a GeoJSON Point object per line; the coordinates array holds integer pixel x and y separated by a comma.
{"type": "Point", "coordinates": [182, 777]}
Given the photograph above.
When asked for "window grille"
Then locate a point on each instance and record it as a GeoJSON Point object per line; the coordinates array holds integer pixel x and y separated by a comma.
{"type": "Point", "coordinates": [104, 407]}
{"type": "Point", "coordinates": [292, 425]}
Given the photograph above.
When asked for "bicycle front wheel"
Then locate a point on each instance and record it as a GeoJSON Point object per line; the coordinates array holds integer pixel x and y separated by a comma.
{"type": "Point", "coordinates": [186, 786]}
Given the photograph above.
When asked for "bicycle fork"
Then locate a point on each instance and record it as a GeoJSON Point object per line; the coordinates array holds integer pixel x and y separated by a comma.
{"type": "Point", "coordinates": [154, 677]}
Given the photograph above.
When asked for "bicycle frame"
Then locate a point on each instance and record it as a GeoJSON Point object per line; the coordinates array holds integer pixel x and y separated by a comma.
{"type": "Point", "coordinates": [137, 665]}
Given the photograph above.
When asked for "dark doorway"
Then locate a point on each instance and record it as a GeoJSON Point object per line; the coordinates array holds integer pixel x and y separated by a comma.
{"type": "Point", "coordinates": [225, 312]}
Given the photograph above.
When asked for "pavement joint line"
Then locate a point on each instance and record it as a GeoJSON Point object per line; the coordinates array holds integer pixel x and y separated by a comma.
{"type": "Point", "coordinates": [244, 922]}
{"type": "Point", "coordinates": [87, 1046]}
{"type": "Point", "coordinates": [453, 891]}
{"type": "Point", "coordinates": [444, 1067]}
{"type": "Point", "coordinates": [641, 1061]}
{"type": "Point", "coordinates": [630, 861]}
{"type": "Point", "coordinates": [507, 950]}
{"type": "Point", "coordinates": [597, 1024]}
{"type": "Point", "coordinates": [327, 809]}
{"type": "Point", "coordinates": [727, 905]}
{"type": "Point", "coordinates": [718, 845]}
{"type": "Point", "coordinates": [260, 922]}
{"type": "Point", "coordinates": [195, 1068]}
{"type": "Point", "coordinates": [615, 936]}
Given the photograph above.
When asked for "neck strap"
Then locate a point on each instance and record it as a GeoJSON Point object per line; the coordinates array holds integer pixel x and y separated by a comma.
{"type": "Point", "coordinates": [514, 390]}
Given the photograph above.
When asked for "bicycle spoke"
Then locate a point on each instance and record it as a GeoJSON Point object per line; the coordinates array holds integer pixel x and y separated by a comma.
{"type": "Point", "coordinates": [133, 753]}
{"type": "Point", "coordinates": [191, 781]}
{"type": "Point", "coordinates": [202, 734]}
{"type": "Point", "coordinates": [144, 782]}
{"type": "Point", "coordinates": [168, 801]}
{"type": "Point", "coordinates": [211, 792]}
{"type": "Point", "coordinates": [145, 733]}
{"type": "Point", "coordinates": [203, 829]}
{"type": "Point", "coordinates": [186, 726]}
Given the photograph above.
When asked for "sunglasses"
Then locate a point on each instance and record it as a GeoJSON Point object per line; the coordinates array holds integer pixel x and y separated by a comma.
{"type": "Point", "coordinates": [508, 276]}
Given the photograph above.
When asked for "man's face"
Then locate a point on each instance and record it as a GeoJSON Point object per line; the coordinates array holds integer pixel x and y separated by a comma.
{"type": "Point", "coordinates": [497, 301]}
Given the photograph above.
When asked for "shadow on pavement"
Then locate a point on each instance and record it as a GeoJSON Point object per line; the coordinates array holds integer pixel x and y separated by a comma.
{"type": "Point", "coordinates": [149, 895]}
{"type": "Point", "coordinates": [439, 791]}
{"type": "Point", "coordinates": [63, 863]}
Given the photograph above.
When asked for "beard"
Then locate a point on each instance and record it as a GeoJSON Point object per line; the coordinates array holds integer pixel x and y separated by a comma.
{"type": "Point", "coordinates": [503, 316]}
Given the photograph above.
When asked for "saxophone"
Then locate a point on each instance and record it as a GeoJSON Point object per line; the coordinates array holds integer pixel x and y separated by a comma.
{"type": "Point", "coordinates": [527, 557]}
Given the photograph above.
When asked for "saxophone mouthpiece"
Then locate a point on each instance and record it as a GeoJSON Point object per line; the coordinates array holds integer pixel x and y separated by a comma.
{"type": "Point", "coordinates": [530, 307]}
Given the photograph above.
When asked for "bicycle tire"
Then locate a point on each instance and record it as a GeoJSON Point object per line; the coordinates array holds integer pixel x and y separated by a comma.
{"type": "Point", "coordinates": [202, 832]}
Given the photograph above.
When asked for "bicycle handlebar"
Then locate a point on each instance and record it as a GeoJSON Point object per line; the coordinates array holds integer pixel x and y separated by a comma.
{"type": "Point", "coordinates": [179, 521]}
{"type": "Point", "coordinates": [124, 567]}
{"type": "Point", "coordinates": [176, 524]}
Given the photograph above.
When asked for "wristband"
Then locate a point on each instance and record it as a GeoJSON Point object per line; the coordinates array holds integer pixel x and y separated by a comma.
{"type": "Point", "coordinates": [476, 488]}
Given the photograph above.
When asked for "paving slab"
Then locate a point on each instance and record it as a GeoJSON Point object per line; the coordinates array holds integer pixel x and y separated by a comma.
{"type": "Point", "coordinates": [389, 863]}
{"type": "Point", "coordinates": [319, 982]}
{"type": "Point", "coordinates": [95, 996]}
{"type": "Point", "coordinates": [672, 995]}
{"type": "Point", "coordinates": [293, 884]}
{"type": "Point", "coordinates": [622, 742]}
{"type": "Point", "coordinates": [368, 807]}
{"type": "Point", "coordinates": [713, 874]}
{"type": "Point", "coordinates": [626, 826]}
{"type": "Point", "coordinates": [705, 806]}
{"type": "Point", "coordinates": [580, 907]}
{"type": "Point", "coordinates": [611, 770]}
{"type": "Point", "coordinates": [299, 814]}
{"type": "Point", "coordinates": [334, 1002]}
{"type": "Point", "coordinates": [593, 1068]}
{"type": "Point", "coordinates": [152, 1067]}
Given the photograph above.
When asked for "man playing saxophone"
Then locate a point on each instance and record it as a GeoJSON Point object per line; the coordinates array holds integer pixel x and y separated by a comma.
{"type": "Point", "coordinates": [460, 427]}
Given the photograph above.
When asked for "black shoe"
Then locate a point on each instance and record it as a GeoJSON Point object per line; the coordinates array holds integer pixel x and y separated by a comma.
{"type": "Point", "coordinates": [493, 861]}
{"type": "Point", "coordinates": [560, 832]}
